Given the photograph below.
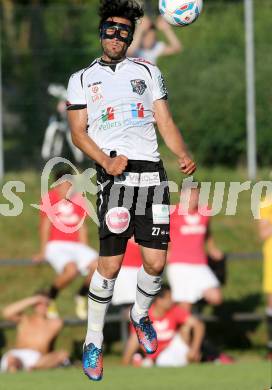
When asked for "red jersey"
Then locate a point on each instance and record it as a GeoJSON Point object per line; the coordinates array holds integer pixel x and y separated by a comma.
{"type": "Point", "coordinates": [167, 326]}
{"type": "Point", "coordinates": [64, 215]}
{"type": "Point", "coordinates": [133, 257]}
{"type": "Point", "coordinates": [188, 235]}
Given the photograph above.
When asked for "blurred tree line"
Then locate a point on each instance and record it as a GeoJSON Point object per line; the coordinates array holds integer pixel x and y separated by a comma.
{"type": "Point", "coordinates": [44, 41]}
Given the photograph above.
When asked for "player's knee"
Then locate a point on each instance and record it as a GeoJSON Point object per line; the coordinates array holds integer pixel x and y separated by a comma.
{"type": "Point", "coordinates": [110, 271]}
{"type": "Point", "coordinates": [157, 267]}
{"type": "Point", "coordinates": [215, 297]}
{"type": "Point", "coordinates": [71, 270]}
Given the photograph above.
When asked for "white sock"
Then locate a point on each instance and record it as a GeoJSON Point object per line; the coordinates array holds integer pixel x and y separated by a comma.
{"type": "Point", "coordinates": [148, 287]}
{"type": "Point", "coordinates": [99, 298]}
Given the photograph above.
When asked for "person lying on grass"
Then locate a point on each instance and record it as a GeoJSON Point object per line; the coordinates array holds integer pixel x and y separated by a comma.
{"type": "Point", "coordinates": [34, 337]}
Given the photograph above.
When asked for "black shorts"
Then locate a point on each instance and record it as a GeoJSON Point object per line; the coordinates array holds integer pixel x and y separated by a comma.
{"type": "Point", "coordinates": [135, 203]}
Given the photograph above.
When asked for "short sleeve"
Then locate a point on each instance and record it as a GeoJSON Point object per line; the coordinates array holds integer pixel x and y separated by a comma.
{"type": "Point", "coordinates": [181, 315]}
{"type": "Point", "coordinates": [75, 94]}
{"type": "Point", "coordinates": [159, 90]}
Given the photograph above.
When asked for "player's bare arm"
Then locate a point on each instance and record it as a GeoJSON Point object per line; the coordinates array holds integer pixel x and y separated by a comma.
{"type": "Point", "coordinates": [14, 311]}
{"type": "Point", "coordinates": [44, 235]}
{"type": "Point", "coordinates": [83, 234]}
{"type": "Point", "coordinates": [211, 246]}
{"type": "Point", "coordinates": [142, 27]}
{"type": "Point", "coordinates": [197, 329]}
{"type": "Point", "coordinates": [78, 124]}
{"type": "Point", "coordinates": [172, 137]}
{"type": "Point", "coordinates": [174, 45]}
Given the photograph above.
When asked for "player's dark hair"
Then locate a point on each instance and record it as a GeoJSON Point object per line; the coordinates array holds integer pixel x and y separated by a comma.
{"type": "Point", "coordinates": [62, 172]}
{"type": "Point", "coordinates": [128, 9]}
{"type": "Point", "coordinates": [164, 289]}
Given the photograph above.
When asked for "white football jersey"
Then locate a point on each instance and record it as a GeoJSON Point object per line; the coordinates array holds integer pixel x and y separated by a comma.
{"type": "Point", "coordinates": [120, 106]}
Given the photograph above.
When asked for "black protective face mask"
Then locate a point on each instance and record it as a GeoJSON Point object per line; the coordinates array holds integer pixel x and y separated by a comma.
{"type": "Point", "coordinates": [121, 31]}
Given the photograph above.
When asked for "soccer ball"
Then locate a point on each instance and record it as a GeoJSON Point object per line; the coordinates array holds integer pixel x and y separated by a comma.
{"type": "Point", "coordinates": [180, 12]}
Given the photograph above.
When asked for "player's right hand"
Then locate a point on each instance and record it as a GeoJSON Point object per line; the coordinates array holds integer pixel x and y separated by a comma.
{"type": "Point", "coordinates": [115, 166]}
{"type": "Point", "coordinates": [187, 165]}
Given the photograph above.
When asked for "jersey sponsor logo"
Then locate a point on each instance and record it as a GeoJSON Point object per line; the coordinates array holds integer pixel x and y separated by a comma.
{"type": "Point", "coordinates": [138, 86]}
{"type": "Point", "coordinates": [163, 329]}
{"type": "Point", "coordinates": [108, 114]}
{"type": "Point", "coordinates": [118, 219]}
{"type": "Point", "coordinates": [130, 179]}
{"type": "Point", "coordinates": [65, 212]}
{"type": "Point", "coordinates": [160, 214]}
{"type": "Point", "coordinates": [192, 219]}
{"type": "Point", "coordinates": [96, 91]}
{"type": "Point", "coordinates": [193, 229]}
{"type": "Point", "coordinates": [149, 179]}
{"type": "Point", "coordinates": [108, 119]}
{"type": "Point", "coordinates": [134, 179]}
{"type": "Point", "coordinates": [137, 110]}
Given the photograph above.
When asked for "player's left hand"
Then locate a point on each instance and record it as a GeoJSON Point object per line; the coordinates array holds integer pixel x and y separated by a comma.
{"type": "Point", "coordinates": [187, 165]}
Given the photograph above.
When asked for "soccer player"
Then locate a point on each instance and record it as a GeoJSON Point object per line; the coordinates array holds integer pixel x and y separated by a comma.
{"type": "Point", "coordinates": [180, 334]}
{"type": "Point", "coordinates": [265, 232]}
{"type": "Point", "coordinates": [34, 338]}
{"type": "Point", "coordinates": [188, 272]}
{"type": "Point", "coordinates": [118, 100]}
{"type": "Point", "coordinates": [67, 252]}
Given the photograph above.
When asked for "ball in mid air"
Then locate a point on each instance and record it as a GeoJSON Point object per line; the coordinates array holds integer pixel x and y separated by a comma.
{"type": "Point", "coordinates": [180, 12]}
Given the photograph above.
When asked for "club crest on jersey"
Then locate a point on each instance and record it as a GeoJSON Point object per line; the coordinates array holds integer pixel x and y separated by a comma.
{"type": "Point", "coordinates": [138, 86]}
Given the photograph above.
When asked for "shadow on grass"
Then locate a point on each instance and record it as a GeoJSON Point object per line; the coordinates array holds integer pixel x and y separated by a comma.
{"type": "Point", "coordinates": [234, 334]}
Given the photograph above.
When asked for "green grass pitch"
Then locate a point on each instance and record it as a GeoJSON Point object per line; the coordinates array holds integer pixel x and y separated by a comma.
{"type": "Point", "coordinates": [242, 376]}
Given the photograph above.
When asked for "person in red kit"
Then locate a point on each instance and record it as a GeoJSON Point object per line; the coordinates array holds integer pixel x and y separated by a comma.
{"type": "Point", "coordinates": [64, 242]}
{"type": "Point", "coordinates": [179, 334]}
{"type": "Point", "coordinates": [126, 282]}
{"type": "Point", "coordinates": [188, 272]}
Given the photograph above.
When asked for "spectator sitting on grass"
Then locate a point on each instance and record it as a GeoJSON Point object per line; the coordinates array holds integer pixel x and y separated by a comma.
{"type": "Point", "coordinates": [34, 338]}
{"type": "Point", "coordinates": [179, 334]}
{"type": "Point", "coordinates": [67, 252]}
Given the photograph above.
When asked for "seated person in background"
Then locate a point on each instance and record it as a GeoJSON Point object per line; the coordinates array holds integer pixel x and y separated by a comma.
{"type": "Point", "coordinates": [35, 335]}
{"type": "Point", "coordinates": [146, 45]}
{"type": "Point", "coordinates": [179, 335]}
{"type": "Point", "coordinates": [188, 272]}
{"type": "Point", "coordinates": [67, 252]}
{"type": "Point", "coordinates": [126, 282]}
